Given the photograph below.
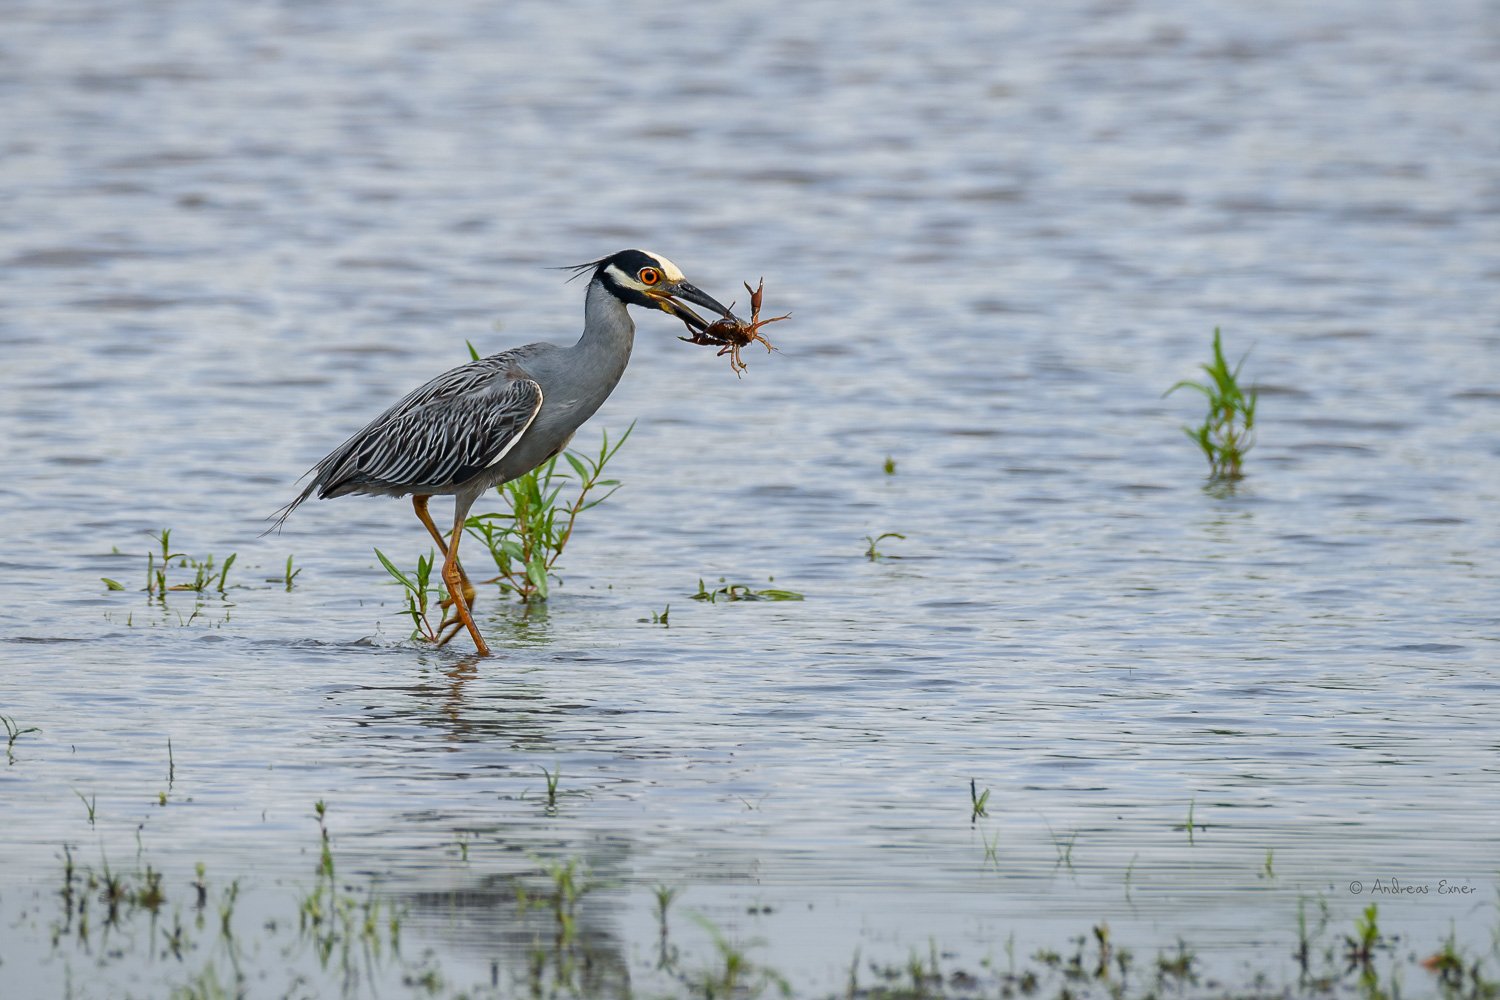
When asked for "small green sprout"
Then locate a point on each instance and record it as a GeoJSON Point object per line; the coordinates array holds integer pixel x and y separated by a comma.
{"type": "Point", "coordinates": [977, 801]}
{"type": "Point", "coordinates": [872, 552]}
{"type": "Point", "coordinates": [742, 592]}
{"type": "Point", "coordinates": [1228, 430]}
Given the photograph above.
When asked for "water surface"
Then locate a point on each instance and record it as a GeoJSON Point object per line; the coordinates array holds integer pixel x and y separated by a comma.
{"type": "Point", "coordinates": [234, 232]}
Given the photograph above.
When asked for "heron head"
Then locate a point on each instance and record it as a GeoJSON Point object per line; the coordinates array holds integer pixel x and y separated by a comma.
{"type": "Point", "coordinates": [642, 278]}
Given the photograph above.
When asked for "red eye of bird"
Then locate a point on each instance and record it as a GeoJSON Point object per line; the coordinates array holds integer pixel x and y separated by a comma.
{"type": "Point", "coordinates": [649, 275]}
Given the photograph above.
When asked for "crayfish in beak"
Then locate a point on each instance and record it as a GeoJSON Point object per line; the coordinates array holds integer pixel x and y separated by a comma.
{"type": "Point", "coordinates": [729, 334]}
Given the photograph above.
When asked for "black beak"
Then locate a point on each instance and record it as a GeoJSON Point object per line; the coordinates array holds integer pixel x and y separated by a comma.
{"type": "Point", "coordinates": [674, 298]}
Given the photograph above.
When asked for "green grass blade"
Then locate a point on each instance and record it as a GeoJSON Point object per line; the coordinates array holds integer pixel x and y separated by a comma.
{"type": "Point", "coordinates": [390, 568]}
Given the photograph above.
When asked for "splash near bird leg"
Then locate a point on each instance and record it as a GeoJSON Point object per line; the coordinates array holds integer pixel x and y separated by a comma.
{"type": "Point", "coordinates": [730, 334]}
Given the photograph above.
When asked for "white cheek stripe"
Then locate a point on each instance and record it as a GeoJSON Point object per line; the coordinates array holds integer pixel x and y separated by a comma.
{"type": "Point", "coordinates": [516, 438]}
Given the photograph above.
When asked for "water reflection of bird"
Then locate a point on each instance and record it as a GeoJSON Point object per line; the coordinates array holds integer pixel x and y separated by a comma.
{"type": "Point", "coordinates": [499, 417]}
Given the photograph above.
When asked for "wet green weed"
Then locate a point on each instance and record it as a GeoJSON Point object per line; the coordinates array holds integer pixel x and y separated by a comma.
{"type": "Point", "coordinates": [1228, 429]}
{"type": "Point", "coordinates": [1189, 825]}
{"type": "Point", "coordinates": [421, 592]}
{"type": "Point", "coordinates": [88, 804]}
{"type": "Point", "coordinates": [350, 933]}
{"type": "Point", "coordinates": [207, 575]}
{"type": "Point", "coordinates": [742, 592]}
{"type": "Point", "coordinates": [734, 973]}
{"type": "Point", "coordinates": [661, 617]}
{"type": "Point", "coordinates": [552, 777]}
{"type": "Point", "coordinates": [206, 578]}
{"type": "Point", "coordinates": [331, 938]}
{"type": "Point", "coordinates": [1360, 947]}
{"type": "Point", "coordinates": [13, 732]}
{"type": "Point", "coordinates": [666, 953]}
{"type": "Point", "coordinates": [185, 935]}
{"type": "Point", "coordinates": [977, 802]}
{"type": "Point", "coordinates": [527, 539]}
{"type": "Point", "coordinates": [288, 575]}
{"type": "Point", "coordinates": [872, 542]}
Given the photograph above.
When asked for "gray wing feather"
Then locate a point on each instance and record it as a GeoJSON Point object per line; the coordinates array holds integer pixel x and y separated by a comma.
{"type": "Point", "coordinates": [440, 442]}
{"type": "Point", "coordinates": [440, 434]}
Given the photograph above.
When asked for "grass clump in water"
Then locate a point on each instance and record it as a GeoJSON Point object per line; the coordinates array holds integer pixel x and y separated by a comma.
{"type": "Point", "coordinates": [872, 552]}
{"type": "Point", "coordinates": [741, 592]}
{"type": "Point", "coordinates": [528, 539]}
{"type": "Point", "coordinates": [207, 575]}
{"type": "Point", "coordinates": [331, 938]}
{"type": "Point", "coordinates": [1228, 429]}
{"type": "Point", "coordinates": [978, 803]}
{"type": "Point", "coordinates": [169, 571]}
{"type": "Point", "coordinates": [13, 732]}
{"type": "Point", "coordinates": [734, 974]}
{"type": "Point", "coordinates": [421, 594]}
{"type": "Point", "coordinates": [553, 777]}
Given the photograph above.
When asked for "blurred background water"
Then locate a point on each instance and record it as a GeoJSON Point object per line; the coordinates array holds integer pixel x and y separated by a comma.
{"type": "Point", "coordinates": [232, 232]}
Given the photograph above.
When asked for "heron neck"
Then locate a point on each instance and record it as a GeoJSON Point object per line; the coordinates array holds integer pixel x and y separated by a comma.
{"type": "Point", "coordinates": [608, 335]}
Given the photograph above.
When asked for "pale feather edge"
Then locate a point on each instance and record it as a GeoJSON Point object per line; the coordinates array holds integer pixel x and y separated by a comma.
{"type": "Point", "coordinates": [516, 438]}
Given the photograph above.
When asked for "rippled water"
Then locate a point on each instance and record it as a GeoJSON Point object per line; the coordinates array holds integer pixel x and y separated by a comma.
{"type": "Point", "coordinates": [233, 232]}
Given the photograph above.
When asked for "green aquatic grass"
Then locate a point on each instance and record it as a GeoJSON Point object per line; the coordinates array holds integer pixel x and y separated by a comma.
{"type": "Point", "coordinates": [552, 778]}
{"type": "Point", "coordinates": [664, 895]}
{"type": "Point", "coordinates": [325, 857]}
{"type": "Point", "coordinates": [328, 936]}
{"type": "Point", "coordinates": [1177, 969]}
{"type": "Point", "coordinates": [421, 593]}
{"type": "Point", "coordinates": [207, 575]}
{"type": "Point", "coordinates": [1189, 825]}
{"type": "Point", "coordinates": [13, 732]}
{"type": "Point", "coordinates": [1360, 947]}
{"type": "Point", "coordinates": [742, 592]}
{"type": "Point", "coordinates": [288, 575]}
{"type": "Point", "coordinates": [1228, 429]}
{"type": "Point", "coordinates": [873, 553]}
{"type": "Point", "coordinates": [1307, 935]}
{"type": "Point", "coordinates": [735, 973]}
{"type": "Point", "coordinates": [528, 538]}
{"type": "Point", "coordinates": [977, 802]}
{"type": "Point", "coordinates": [171, 571]}
{"type": "Point", "coordinates": [88, 804]}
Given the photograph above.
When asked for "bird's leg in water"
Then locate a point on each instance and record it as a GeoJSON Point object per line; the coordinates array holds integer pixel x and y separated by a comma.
{"type": "Point", "coordinates": [419, 503]}
{"type": "Point", "coordinates": [453, 578]}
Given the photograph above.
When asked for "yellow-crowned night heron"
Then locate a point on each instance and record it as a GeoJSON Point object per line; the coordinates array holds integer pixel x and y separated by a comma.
{"type": "Point", "coordinates": [491, 420]}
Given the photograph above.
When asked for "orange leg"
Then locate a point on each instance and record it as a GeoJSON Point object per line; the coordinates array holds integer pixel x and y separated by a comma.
{"type": "Point", "coordinates": [454, 578]}
{"type": "Point", "coordinates": [419, 504]}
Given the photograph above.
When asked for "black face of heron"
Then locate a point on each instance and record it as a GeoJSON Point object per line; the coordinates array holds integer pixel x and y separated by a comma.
{"type": "Point", "coordinates": [639, 278]}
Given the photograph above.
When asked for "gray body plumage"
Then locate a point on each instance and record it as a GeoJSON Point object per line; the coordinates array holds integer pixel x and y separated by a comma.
{"type": "Point", "coordinates": [520, 406]}
{"type": "Point", "coordinates": [496, 418]}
